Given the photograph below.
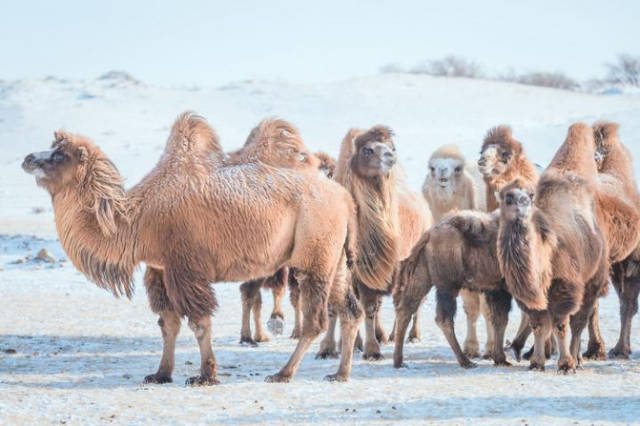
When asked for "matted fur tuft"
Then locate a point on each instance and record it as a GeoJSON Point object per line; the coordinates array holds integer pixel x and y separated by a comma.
{"type": "Point", "coordinates": [192, 137]}
{"type": "Point", "coordinates": [502, 135]}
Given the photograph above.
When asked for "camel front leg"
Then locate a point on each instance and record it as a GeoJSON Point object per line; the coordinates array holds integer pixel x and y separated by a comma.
{"type": "Point", "coordinates": [328, 343]}
{"type": "Point", "coordinates": [566, 362]}
{"type": "Point", "coordinates": [498, 303]}
{"type": "Point", "coordinates": [541, 326]}
{"type": "Point", "coordinates": [370, 302]}
{"type": "Point", "coordinates": [595, 347]}
{"type": "Point", "coordinates": [201, 328]}
{"type": "Point", "coordinates": [351, 315]}
{"type": "Point", "coordinates": [314, 295]}
{"type": "Point", "coordinates": [445, 312]}
{"type": "Point", "coordinates": [169, 323]}
{"type": "Point", "coordinates": [471, 307]}
{"type": "Point", "coordinates": [486, 314]}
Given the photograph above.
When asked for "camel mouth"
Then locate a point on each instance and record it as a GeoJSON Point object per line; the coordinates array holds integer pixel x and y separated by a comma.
{"type": "Point", "coordinates": [32, 167]}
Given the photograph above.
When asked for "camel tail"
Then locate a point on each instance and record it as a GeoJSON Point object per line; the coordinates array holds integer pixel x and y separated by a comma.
{"type": "Point", "coordinates": [351, 240]}
{"type": "Point", "coordinates": [404, 278]}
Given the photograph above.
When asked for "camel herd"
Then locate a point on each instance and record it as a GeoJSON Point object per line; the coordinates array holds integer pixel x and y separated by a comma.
{"type": "Point", "coordinates": [343, 234]}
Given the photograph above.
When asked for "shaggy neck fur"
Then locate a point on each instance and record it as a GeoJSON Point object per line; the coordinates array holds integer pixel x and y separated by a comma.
{"type": "Point", "coordinates": [525, 249]}
{"type": "Point", "coordinates": [93, 224]}
{"type": "Point", "coordinates": [377, 214]}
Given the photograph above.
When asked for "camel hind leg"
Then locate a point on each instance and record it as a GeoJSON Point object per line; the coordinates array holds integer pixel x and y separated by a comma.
{"type": "Point", "coordinates": [524, 330]}
{"type": "Point", "coordinates": [328, 343]}
{"type": "Point", "coordinates": [486, 314]}
{"type": "Point", "coordinates": [595, 346]}
{"type": "Point", "coordinates": [201, 328]}
{"type": "Point", "coordinates": [445, 312]}
{"type": "Point", "coordinates": [251, 301]}
{"type": "Point", "coordinates": [278, 284]}
{"type": "Point", "coordinates": [407, 302]}
{"type": "Point", "coordinates": [314, 295]}
{"type": "Point", "coordinates": [498, 304]}
{"type": "Point", "coordinates": [627, 285]}
{"type": "Point", "coordinates": [471, 306]}
{"type": "Point", "coordinates": [169, 323]}
{"type": "Point", "coordinates": [294, 298]}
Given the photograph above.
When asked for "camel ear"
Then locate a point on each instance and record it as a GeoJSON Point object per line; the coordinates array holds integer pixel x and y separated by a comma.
{"type": "Point", "coordinates": [105, 216]}
{"type": "Point", "coordinates": [83, 155]}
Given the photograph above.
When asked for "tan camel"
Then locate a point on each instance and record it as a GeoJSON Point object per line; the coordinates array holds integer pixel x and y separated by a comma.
{"type": "Point", "coordinates": [553, 254]}
{"type": "Point", "coordinates": [390, 220]}
{"type": "Point", "coordinates": [195, 221]}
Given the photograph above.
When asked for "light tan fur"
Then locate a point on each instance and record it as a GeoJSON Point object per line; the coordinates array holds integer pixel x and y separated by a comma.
{"type": "Point", "coordinates": [196, 221]}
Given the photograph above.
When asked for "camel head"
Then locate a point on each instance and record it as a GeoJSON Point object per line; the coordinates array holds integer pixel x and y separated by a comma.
{"type": "Point", "coordinates": [446, 167]}
{"type": "Point", "coordinates": [74, 164]}
{"type": "Point", "coordinates": [499, 150]}
{"type": "Point", "coordinates": [374, 153]}
{"type": "Point", "coordinates": [516, 201]}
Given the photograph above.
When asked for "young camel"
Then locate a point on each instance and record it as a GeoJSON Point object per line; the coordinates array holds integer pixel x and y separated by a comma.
{"type": "Point", "coordinates": [457, 253]}
{"type": "Point", "coordinates": [502, 160]}
{"type": "Point", "coordinates": [618, 205]}
{"type": "Point", "coordinates": [453, 185]}
{"type": "Point", "coordinates": [390, 220]}
{"type": "Point", "coordinates": [195, 221]}
{"type": "Point", "coordinates": [277, 143]}
{"type": "Point", "coordinates": [553, 254]}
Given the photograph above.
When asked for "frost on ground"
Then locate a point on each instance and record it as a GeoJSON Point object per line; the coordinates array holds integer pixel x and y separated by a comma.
{"type": "Point", "coordinates": [71, 353]}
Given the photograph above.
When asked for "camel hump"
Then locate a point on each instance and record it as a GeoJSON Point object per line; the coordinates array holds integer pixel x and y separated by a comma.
{"type": "Point", "coordinates": [271, 130]}
{"type": "Point", "coordinates": [191, 135]}
{"type": "Point", "coordinates": [605, 132]}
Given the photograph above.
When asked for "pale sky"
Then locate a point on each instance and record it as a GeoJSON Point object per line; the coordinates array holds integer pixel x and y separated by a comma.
{"type": "Point", "coordinates": [210, 42]}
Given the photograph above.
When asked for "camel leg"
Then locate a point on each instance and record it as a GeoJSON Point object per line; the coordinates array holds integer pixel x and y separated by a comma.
{"type": "Point", "coordinates": [328, 343]}
{"type": "Point", "coordinates": [278, 289]}
{"type": "Point", "coordinates": [627, 289]}
{"type": "Point", "coordinates": [414, 333]}
{"type": "Point", "coordinates": [169, 323]}
{"type": "Point", "coordinates": [259, 334]}
{"type": "Point", "coordinates": [294, 298]}
{"type": "Point", "coordinates": [381, 335]}
{"type": "Point", "coordinates": [566, 361]}
{"type": "Point", "coordinates": [445, 312]}
{"type": "Point", "coordinates": [540, 322]}
{"type": "Point", "coordinates": [486, 313]}
{"type": "Point", "coordinates": [498, 304]}
{"type": "Point", "coordinates": [370, 301]}
{"type": "Point", "coordinates": [578, 322]}
{"type": "Point", "coordinates": [249, 292]}
{"type": "Point", "coordinates": [208, 366]}
{"type": "Point", "coordinates": [471, 306]}
{"type": "Point", "coordinates": [351, 315]}
{"type": "Point", "coordinates": [595, 347]}
{"type": "Point", "coordinates": [313, 303]}
{"type": "Point", "coordinates": [524, 330]}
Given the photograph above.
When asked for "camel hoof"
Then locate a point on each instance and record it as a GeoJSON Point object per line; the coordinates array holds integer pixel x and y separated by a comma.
{"type": "Point", "coordinates": [275, 325]}
{"type": "Point", "coordinates": [248, 341]}
{"type": "Point", "coordinates": [502, 363]}
{"type": "Point", "coordinates": [336, 378]}
{"type": "Point", "coordinates": [413, 339]}
{"type": "Point", "coordinates": [277, 378]}
{"type": "Point", "coordinates": [400, 365]}
{"type": "Point", "coordinates": [260, 338]}
{"type": "Point", "coordinates": [327, 354]}
{"type": "Point", "coordinates": [536, 366]}
{"type": "Point", "coordinates": [487, 355]}
{"type": "Point", "coordinates": [527, 355]}
{"type": "Point", "coordinates": [619, 353]}
{"type": "Point", "coordinates": [566, 365]}
{"type": "Point", "coordinates": [468, 364]}
{"type": "Point", "coordinates": [295, 334]}
{"type": "Point", "coordinates": [373, 356]}
{"type": "Point", "coordinates": [383, 339]}
{"type": "Point", "coordinates": [201, 381]}
{"type": "Point", "coordinates": [471, 353]}
{"type": "Point", "coordinates": [515, 351]}
{"type": "Point", "coordinates": [595, 354]}
{"type": "Point", "coordinates": [158, 379]}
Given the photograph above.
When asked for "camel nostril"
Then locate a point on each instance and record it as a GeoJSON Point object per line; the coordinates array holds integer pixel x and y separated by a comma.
{"type": "Point", "coordinates": [29, 159]}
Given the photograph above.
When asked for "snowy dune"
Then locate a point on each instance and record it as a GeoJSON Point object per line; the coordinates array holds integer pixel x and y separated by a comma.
{"type": "Point", "coordinates": [81, 354]}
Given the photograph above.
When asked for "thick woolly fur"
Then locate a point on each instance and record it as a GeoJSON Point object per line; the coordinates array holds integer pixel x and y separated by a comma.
{"type": "Point", "coordinates": [198, 221]}
{"type": "Point", "coordinates": [390, 217]}
{"type": "Point", "coordinates": [457, 253]}
{"type": "Point", "coordinates": [565, 197]}
{"type": "Point", "coordinates": [502, 160]}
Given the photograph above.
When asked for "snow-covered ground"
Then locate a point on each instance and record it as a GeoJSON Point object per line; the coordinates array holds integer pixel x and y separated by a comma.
{"type": "Point", "coordinates": [71, 353]}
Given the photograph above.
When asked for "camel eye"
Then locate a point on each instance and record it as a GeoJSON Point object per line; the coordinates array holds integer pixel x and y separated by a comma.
{"type": "Point", "coordinates": [458, 169]}
{"type": "Point", "coordinates": [367, 151]}
{"type": "Point", "coordinates": [433, 169]}
{"type": "Point", "coordinates": [508, 199]}
{"type": "Point", "coordinates": [57, 157]}
{"type": "Point", "coordinates": [506, 156]}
